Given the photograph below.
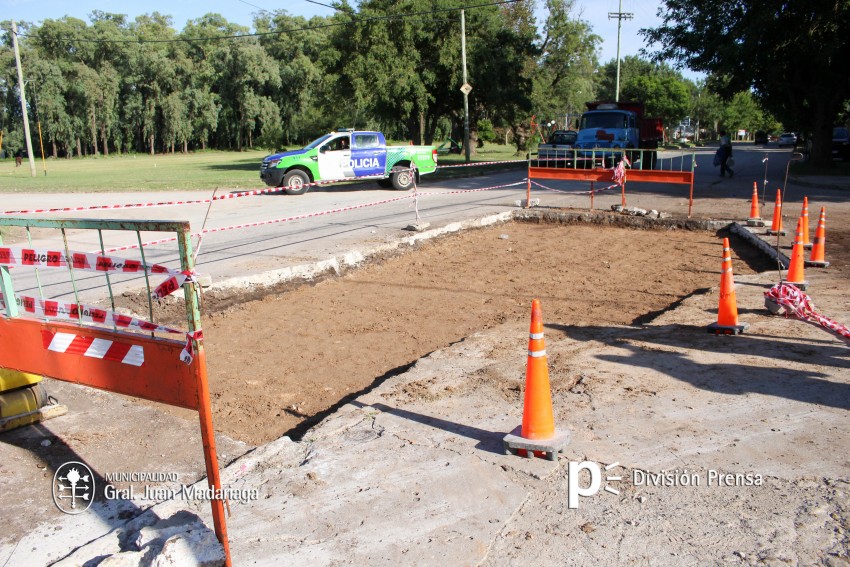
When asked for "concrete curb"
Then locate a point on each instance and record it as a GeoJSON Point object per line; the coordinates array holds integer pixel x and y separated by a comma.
{"type": "Point", "coordinates": [770, 251]}
{"type": "Point", "coordinates": [338, 264]}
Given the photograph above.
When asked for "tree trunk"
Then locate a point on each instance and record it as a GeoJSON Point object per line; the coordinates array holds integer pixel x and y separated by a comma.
{"type": "Point", "coordinates": [151, 140]}
{"type": "Point", "coordinates": [413, 128]}
{"type": "Point", "coordinates": [820, 143]}
{"type": "Point", "coordinates": [103, 139]}
{"type": "Point", "coordinates": [185, 147]}
{"type": "Point", "coordinates": [203, 145]}
{"type": "Point", "coordinates": [93, 131]}
{"type": "Point", "coordinates": [55, 152]}
{"type": "Point", "coordinates": [79, 148]}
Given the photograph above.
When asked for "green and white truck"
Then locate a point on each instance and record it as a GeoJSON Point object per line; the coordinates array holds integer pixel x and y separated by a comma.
{"type": "Point", "coordinates": [347, 155]}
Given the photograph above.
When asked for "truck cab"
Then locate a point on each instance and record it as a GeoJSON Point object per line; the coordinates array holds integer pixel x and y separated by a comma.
{"type": "Point", "coordinates": [609, 130]}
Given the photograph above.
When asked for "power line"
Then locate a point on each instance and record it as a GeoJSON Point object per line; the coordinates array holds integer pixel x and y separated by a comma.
{"type": "Point", "coordinates": [412, 16]}
{"type": "Point", "coordinates": [320, 4]}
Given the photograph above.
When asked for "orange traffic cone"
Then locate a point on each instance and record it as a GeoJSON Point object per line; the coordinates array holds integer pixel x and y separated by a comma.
{"type": "Point", "coordinates": [537, 432]}
{"type": "Point", "coordinates": [819, 246]}
{"type": "Point", "coordinates": [804, 215]}
{"type": "Point", "coordinates": [776, 226]}
{"type": "Point", "coordinates": [727, 310]}
{"type": "Point", "coordinates": [755, 215]}
{"type": "Point", "coordinates": [796, 274]}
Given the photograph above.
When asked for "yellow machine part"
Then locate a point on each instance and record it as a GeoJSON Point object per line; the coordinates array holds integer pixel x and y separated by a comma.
{"type": "Point", "coordinates": [23, 400]}
{"type": "Point", "coordinates": [13, 379]}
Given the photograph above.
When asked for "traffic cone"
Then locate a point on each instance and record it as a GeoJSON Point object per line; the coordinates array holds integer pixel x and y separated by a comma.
{"type": "Point", "coordinates": [537, 434]}
{"type": "Point", "coordinates": [805, 216]}
{"type": "Point", "coordinates": [755, 215]}
{"type": "Point", "coordinates": [776, 226]}
{"type": "Point", "coordinates": [796, 273]}
{"type": "Point", "coordinates": [819, 246]}
{"type": "Point", "coordinates": [727, 309]}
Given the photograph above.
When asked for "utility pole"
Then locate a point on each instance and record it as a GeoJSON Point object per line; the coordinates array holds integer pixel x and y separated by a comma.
{"type": "Point", "coordinates": [23, 97]}
{"type": "Point", "coordinates": [619, 16]}
{"type": "Point", "coordinates": [466, 88]}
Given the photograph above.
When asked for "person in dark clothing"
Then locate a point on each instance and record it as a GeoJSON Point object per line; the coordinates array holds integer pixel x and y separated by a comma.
{"type": "Point", "coordinates": [725, 154]}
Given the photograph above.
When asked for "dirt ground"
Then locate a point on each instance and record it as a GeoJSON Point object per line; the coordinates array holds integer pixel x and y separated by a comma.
{"type": "Point", "coordinates": [285, 360]}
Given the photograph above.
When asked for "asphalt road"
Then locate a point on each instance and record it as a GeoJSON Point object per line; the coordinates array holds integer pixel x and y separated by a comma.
{"type": "Point", "coordinates": [293, 231]}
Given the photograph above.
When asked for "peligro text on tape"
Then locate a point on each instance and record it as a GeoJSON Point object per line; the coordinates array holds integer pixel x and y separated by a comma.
{"type": "Point", "coordinates": [93, 262]}
{"type": "Point", "coordinates": [85, 261]}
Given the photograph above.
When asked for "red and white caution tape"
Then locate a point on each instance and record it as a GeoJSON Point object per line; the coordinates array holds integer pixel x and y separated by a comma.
{"type": "Point", "coordinates": [93, 262]}
{"type": "Point", "coordinates": [85, 261]}
{"type": "Point", "coordinates": [224, 197]}
{"type": "Point", "coordinates": [187, 355]}
{"type": "Point", "coordinates": [265, 222]}
{"type": "Point", "coordinates": [614, 186]}
{"type": "Point", "coordinates": [53, 309]}
{"type": "Point", "coordinates": [92, 347]}
{"type": "Point", "coordinates": [482, 163]}
{"type": "Point", "coordinates": [797, 303]}
{"type": "Point", "coordinates": [459, 191]}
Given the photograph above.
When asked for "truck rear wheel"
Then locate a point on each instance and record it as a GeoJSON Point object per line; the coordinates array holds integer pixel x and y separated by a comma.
{"type": "Point", "coordinates": [403, 177]}
{"type": "Point", "coordinates": [295, 182]}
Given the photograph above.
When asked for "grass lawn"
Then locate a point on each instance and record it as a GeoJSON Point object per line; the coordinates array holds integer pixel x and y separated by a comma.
{"type": "Point", "coordinates": [163, 172]}
{"type": "Point", "coordinates": [138, 172]}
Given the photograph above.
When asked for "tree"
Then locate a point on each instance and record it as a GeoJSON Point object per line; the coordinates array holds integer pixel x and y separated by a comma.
{"type": "Point", "coordinates": [566, 62]}
{"type": "Point", "coordinates": [793, 54]}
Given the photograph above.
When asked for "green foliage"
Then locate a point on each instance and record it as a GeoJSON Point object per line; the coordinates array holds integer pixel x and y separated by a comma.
{"type": "Point", "coordinates": [793, 55]}
{"type": "Point", "coordinates": [486, 132]}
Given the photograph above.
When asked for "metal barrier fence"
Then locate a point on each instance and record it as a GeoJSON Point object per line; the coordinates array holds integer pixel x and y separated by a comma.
{"type": "Point", "coordinates": [614, 165]}
{"type": "Point", "coordinates": [56, 334]}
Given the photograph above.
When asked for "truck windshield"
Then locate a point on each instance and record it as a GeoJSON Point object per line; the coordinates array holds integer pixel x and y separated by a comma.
{"type": "Point", "coordinates": [316, 142]}
{"type": "Point", "coordinates": [603, 120]}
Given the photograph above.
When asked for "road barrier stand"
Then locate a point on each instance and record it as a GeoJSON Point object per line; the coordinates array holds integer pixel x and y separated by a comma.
{"type": "Point", "coordinates": [611, 164]}
{"type": "Point", "coordinates": [69, 340]}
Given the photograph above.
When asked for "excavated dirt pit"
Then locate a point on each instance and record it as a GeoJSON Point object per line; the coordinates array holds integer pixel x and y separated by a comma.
{"type": "Point", "coordinates": [279, 364]}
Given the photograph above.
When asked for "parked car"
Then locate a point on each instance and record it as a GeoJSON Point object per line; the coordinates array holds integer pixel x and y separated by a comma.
{"type": "Point", "coordinates": [788, 139]}
{"type": "Point", "coordinates": [760, 138]}
{"type": "Point", "coordinates": [559, 148]}
{"type": "Point", "coordinates": [840, 143]}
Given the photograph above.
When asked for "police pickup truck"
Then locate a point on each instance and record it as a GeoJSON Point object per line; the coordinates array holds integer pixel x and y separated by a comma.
{"type": "Point", "coordinates": [348, 155]}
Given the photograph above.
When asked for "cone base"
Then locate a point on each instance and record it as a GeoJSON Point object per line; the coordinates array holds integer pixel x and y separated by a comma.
{"type": "Point", "coordinates": [816, 264]}
{"type": "Point", "coordinates": [755, 222]}
{"type": "Point", "coordinates": [727, 329]}
{"type": "Point", "coordinates": [775, 232]}
{"type": "Point", "coordinates": [514, 441]}
{"type": "Point", "coordinates": [800, 285]}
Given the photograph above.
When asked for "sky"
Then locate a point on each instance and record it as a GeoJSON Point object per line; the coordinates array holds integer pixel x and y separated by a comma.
{"type": "Point", "coordinates": [242, 11]}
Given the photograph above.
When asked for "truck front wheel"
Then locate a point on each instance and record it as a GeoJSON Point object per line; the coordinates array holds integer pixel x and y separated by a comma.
{"type": "Point", "coordinates": [295, 182]}
{"type": "Point", "coordinates": [403, 177]}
